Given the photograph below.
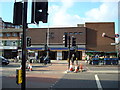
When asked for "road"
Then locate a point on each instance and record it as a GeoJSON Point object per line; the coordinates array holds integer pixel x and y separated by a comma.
{"type": "Point", "coordinates": [87, 80]}
{"type": "Point", "coordinates": [54, 76]}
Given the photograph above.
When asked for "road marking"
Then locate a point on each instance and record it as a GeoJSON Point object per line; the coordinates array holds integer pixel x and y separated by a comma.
{"type": "Point", "coordinates": [98, 82]}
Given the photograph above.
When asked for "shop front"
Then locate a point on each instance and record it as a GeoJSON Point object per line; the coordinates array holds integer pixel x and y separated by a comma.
{"type": "Point", "coordinates": [57, 53]}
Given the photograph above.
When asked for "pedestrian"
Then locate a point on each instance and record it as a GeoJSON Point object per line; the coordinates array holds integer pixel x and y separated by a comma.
{"type": "Point", "coordinates": [81, 67]}
{"type": "Point", "coordinates": [72, 59]}
{"type": "Point", "coordinates": [71, 63]}
{"type": "Point", "coordinates": [41, 59]}
{"type": "Point", "coordinates": [17, 57]}
{"type": "Point", "coordinates": [76, 66]}
{"type": "Point", "coordinates": [91, 60]}
{"type": "Point", "coordinates": [88, 58]}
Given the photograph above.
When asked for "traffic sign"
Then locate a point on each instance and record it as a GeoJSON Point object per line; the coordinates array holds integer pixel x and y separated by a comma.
{"type": "Point", "coordinates": [116, 35]}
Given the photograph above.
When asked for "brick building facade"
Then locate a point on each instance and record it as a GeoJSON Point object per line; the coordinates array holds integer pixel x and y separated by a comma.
{"type": "Point", "coordinates": [88, 39]}
{"type": "Point", "coordinates": [9, 39]}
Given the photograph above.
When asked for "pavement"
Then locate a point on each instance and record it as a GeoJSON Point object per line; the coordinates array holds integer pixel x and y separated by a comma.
{"type": "Point", "coordinates": [55, 76]}
{"type": "Point", "coordinates": [101, 68]}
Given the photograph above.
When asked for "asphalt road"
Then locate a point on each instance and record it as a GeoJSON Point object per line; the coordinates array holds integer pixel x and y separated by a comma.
{"type": "Point", "coordinates": [54, 76]}
{"type": "Point", "coordinates": [88, 80]}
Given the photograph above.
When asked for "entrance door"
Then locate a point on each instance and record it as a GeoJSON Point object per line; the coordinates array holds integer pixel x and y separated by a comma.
{"type": "Point", "coordinates": [65, 55]}
{"type": "Point", "coordinates": [53, 55]}
{"type": "Point", "coordinates": [78, 55]}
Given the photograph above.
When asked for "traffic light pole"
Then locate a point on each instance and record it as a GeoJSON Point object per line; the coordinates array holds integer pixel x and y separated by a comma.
{"type": "Point", "coordinates": [69, 53]}
{"type": "Point", "coordinates": [24, 19]}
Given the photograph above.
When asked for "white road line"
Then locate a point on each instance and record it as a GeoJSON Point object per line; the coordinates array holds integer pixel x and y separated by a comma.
{"type": "Point", "coordinates": [98, 82]}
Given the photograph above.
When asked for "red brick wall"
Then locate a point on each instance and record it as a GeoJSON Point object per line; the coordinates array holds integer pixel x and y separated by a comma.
{"type": "Point", "coordinates": [95, 41]}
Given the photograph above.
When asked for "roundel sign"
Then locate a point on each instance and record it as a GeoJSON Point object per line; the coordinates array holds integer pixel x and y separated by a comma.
{"type": "Point", "coordinates": [116, 35]}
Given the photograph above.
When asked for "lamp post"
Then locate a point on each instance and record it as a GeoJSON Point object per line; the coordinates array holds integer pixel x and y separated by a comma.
{"type": "Point", "coordinates": [48, 36]}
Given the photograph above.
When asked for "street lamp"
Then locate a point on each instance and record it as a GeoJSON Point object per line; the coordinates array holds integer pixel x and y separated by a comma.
{"type": "Point", "coordinates": [115, 44]}
{"type": "Point", "coordinates": [48, 37]}
{"type": "Point", "coordinates": [103, 34]}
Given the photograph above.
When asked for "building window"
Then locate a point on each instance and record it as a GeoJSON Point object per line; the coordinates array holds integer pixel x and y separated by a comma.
{"type": "Point", "coordinates": [1, 43]}
{"type": "Point", "coordinates": [70, 33]}
{"type": "Point", "coordinates": [51, 35]}
{"type": "Point", "coordinates": [14, 34]}
{"type": "Point", "coordinates": [80, 32]}
{"type": "Point", "coordinates": [75, 33]}
{"type": "Point", "coordinates": [20, 35]}
{"type": "Point", "coordinates": [13, 26]}
{"type": "Point", "coordinates": [8, 34]}
{"type": "Point", "coordinates": [14, 43]}
{"type": "Point", "coordinates": [65, 33]}
{"type": "Point", "coordinates": [17, 27]}
{"type": "Point", "coordinates": [1, 35]}
{"type": "Point", "coordinates": [8, 43]}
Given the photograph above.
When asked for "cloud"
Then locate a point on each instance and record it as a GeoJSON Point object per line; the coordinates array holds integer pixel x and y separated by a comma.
{"type": "Point", "coordinates": [107, 11]}
{"type": "Point", "coordinates": [59, 15]}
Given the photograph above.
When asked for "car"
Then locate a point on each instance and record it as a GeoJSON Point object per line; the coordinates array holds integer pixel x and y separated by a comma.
{"type": "Point", "coordinates": [4, 61]}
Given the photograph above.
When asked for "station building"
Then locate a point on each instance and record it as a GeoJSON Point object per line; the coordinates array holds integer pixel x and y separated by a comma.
{"type": "Point", "coordinates": [88, 36]}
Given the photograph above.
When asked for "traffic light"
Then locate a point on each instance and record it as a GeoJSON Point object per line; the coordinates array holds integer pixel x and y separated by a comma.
{"type": "Point", "coordinates": [39, 11]}
{"type": "Point", "coordinates": [65, 40]}
{"type": "Point", "coordinates": [73, 41]}
{"type": "Point", "coordinates": [28, 41]}
{"type": "Point", "coordinates": [17, 15]}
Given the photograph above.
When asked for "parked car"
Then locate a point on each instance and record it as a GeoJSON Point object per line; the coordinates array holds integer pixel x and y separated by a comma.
{"type": "Point", "coordinates": [4, 61]}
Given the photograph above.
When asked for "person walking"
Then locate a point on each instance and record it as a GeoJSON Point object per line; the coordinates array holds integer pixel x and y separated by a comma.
{"type": "Point", "coordinates": [71, 68]}
{"type": "Point", "coordinates": [88, 58]}
{"type": "Point", "coordinates": [74, 66]}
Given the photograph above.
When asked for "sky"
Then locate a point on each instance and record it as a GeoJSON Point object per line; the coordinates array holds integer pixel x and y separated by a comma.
{"type": "Point", "coordinates": [69, 13]}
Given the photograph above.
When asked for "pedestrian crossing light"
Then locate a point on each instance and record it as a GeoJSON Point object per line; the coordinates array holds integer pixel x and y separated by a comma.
{"type": "Point", "coordinates": [65, 40]}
